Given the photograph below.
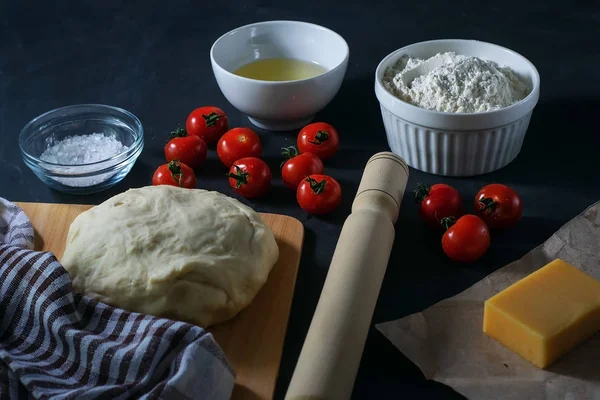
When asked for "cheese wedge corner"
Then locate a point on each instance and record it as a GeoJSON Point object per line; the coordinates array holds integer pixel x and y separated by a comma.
{"type": "Point", "coordinates": [546, 314]}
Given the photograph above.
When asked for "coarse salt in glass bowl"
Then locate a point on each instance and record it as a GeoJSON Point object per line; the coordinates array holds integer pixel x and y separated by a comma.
{"type": "Point", "coordinates": [82, 149]}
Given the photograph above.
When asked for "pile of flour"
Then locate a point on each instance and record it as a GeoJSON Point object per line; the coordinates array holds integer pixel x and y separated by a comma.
{"type": "Point", "coordinates": [454, 83]}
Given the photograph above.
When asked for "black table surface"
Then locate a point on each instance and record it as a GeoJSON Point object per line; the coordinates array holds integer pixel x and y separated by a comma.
{"type": "Point", "coordinates": [152, 58]}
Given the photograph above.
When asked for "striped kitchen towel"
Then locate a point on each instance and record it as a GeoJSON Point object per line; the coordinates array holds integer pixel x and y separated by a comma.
{"type": "Point", "coordinates": [58, 344]}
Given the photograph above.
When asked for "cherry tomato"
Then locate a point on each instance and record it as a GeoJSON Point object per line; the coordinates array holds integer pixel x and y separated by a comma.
{"type": "Point", "coordinates": [498, 205]}
{"type": "Point", "coordinates": [250, 177]}
{"type": "Point", "coordinates": [299, 166]}
{"type": "Point", "coordinates": [190, 150]}
{"type": "Point", "coordinates": [466, 239]}
{"type": "Point", "coordinates": [319, 194]}
{"type": "Point", "coordinates": [436, 202]}
{"type": "Point", "coordinates": [319, 138]}
{"type": "Point", "coordinates": [238, 143]}
{"type": "Point", "coordinates": [209, 123]}
{"type": "Point", "coordinates": [175, 173]}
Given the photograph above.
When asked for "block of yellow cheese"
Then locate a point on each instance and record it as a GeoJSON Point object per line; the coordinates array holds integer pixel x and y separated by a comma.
{"type": "Point", "coordinates": [546, 314]}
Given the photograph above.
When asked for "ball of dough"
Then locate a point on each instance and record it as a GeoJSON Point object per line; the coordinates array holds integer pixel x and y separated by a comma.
{"type": "Point", "coordinates": [186, 254]}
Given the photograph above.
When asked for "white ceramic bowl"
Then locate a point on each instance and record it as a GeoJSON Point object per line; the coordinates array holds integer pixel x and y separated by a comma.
{"type": "Point", "coordinates": [280, 105]}
{"type": "Point", "coordinates": [457, 144]}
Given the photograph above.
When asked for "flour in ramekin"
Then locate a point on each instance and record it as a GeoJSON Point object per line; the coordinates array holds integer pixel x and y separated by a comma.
{"type": "Point", "coordinates": [457, 84]}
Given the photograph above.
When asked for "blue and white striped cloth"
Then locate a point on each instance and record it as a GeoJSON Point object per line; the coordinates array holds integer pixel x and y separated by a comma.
{"type": "Point", "coordinates": [58, 344]}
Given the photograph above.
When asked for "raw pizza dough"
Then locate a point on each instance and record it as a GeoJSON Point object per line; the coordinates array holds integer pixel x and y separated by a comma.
{"type": "Point", "coordinates": [187, 254]}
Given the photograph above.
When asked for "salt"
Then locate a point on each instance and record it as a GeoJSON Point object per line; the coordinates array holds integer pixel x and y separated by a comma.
{"type": "Point", "coordinates": [83, 149]}
{"type": "Point", "coordinates": [79, 150]}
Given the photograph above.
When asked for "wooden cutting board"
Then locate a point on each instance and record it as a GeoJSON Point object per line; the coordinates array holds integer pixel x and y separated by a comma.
{"type": "Point", "coordinates": [253, 340]}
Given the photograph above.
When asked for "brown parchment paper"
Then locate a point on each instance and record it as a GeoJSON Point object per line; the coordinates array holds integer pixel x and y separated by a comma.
{"type": "Point", "coordinates": [447, 343]}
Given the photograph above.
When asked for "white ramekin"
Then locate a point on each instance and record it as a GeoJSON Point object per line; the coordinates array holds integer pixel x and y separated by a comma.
{"type": "Point", "coordinates": [457, 144]}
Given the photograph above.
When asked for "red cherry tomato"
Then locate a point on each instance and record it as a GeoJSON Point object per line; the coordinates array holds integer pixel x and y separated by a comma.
{"type": "Point", "coordinates": [238, 143]}
{"type": "Point", "coordinates": [319, 138]}
{"type": "Point", "coordinates": [436, 202]}
{"type": "Point", "coordinates": [190, 150]}
{"type": "Point", "coordinates": [498, 205]}
{"type": "Point", "coordinates": [299, 166]}
{"type": "Point", "coordinates": [175, 173]}
{"type": "Point", "coordinates": [250, 177]}
{"type": "Point", "coordinates": [209, 123]}
{"type": "Point", "coordinates": [319, 194]}
{"type": "Point", "coordinates": [466, 239]}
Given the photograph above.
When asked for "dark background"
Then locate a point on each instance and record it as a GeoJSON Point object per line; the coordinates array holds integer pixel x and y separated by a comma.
{"type": "Point", "coordinates": [152, 58]}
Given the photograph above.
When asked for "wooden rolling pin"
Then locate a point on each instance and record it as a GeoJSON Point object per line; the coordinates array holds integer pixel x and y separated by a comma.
{"type": "Point", "coordinates": [334, 344]}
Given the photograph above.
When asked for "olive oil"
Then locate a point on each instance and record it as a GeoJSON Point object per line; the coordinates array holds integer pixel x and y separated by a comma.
{"type": "Point", "coordinates": [280, 69]}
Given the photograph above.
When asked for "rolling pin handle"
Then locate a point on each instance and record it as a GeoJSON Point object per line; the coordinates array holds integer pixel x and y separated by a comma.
{"type": "Point", "coordinates": [333, 347]}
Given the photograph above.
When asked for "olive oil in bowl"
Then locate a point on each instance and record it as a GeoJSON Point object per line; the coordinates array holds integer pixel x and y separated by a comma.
{"type": "Point", "coordinates": [280, 69]}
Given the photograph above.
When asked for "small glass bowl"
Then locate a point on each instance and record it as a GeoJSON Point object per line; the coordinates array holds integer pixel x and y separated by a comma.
{"type": "Point", "coordinates": [76, 120]}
